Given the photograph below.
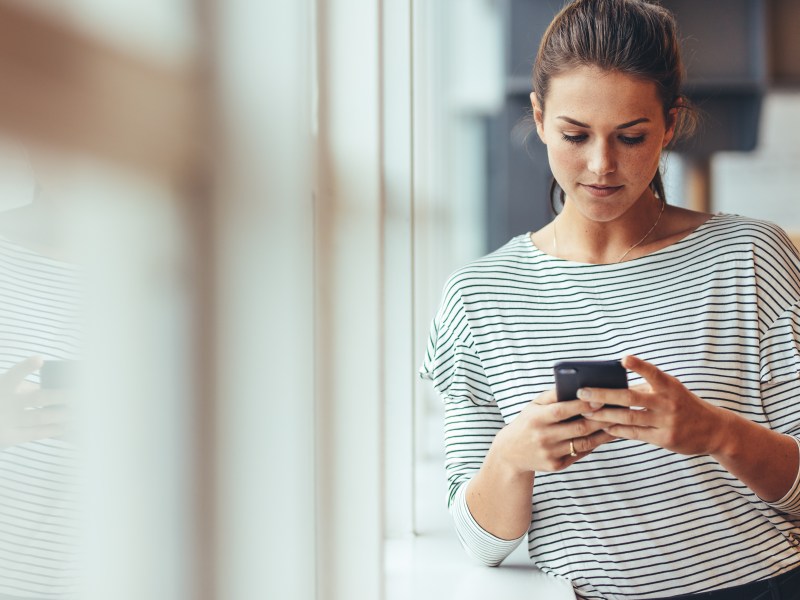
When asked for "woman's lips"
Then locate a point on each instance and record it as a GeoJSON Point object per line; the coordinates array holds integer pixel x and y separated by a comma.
{"type": "Point", "coordinates": [601, 191]}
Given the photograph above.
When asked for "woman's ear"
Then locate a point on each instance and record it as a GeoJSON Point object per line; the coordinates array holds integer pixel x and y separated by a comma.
{"type": "Point", "coordinates": [538, 117]}
{"type": "Point", "coordinates": [672, 121]}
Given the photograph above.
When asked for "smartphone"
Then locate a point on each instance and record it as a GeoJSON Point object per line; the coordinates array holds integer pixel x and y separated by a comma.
{"type": "Point", "coordinates": [57, 374]}
{"type": "Point", "coordinates": [572, 375]}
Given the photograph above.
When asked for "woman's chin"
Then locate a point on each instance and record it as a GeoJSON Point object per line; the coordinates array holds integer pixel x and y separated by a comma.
{"type": "Point", "coordinates": [602, 210]}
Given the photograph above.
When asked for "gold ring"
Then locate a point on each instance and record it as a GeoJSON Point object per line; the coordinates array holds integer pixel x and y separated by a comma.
{"type": "Point", "coordinates": [572, 448]}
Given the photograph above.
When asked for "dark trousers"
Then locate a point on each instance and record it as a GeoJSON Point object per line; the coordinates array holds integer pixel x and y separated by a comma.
{"type": "Point", "coordinates": [782, 587]}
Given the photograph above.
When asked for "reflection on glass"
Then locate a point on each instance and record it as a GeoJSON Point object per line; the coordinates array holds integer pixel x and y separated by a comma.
{"type": "Point", "coordinates": [40, 306]}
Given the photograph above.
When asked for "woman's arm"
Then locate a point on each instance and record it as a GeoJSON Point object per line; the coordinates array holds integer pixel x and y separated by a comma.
{"type": "Point", "coordinates": [490, 465]}
{"type": "Point", "coordinates": [470, 429]}
{"type": "Point", "coordinates": [499, 495]}
{"type": "Point", "coordinates": [765, 461]}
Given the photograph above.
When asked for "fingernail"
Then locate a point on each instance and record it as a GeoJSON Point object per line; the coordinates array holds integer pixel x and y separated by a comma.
{"type": "Point", "coordinates": [587, 415]}
{"type": "Point", "coordinates": [584, 394]}
{"type": "Point", "coordinates": [596, 405]}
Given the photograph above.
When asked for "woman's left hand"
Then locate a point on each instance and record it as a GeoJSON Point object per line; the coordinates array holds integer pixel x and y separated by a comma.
{"type": "Point", "coordinates": [667, 415]}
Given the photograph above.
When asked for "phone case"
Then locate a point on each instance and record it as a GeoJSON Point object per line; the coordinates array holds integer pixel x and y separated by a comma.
{"type": "Point", "coordinates": [575, 374]}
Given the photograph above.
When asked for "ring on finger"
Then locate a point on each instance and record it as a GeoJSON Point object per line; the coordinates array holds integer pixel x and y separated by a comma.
{"type": "Point", "coordinates": [572, 448]}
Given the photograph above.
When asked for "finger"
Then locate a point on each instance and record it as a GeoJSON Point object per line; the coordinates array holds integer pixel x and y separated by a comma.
{"type": "Point", "coordinates": [43, 417]}
{"type": "Point", "coordinates": [45, 398]}
{"type": "Point", "coordinates": [547, 397]}
{"type": "Point", "coordinates": [17, 373]}
{"type": "Point", "coordinates": [26, 387]}
{"type": "Point", "coordinates": [622, 416]}
{"type": "Point", "coordinates": [569, 430]}
{"type": "Point", "coordinates": [596, 397]}
{"type": "Point", "coordinates": [631, 432]}
{"type": "Point", "coordinates": [584, 446]}
{"type": "Point", "coordinates": [561, 411]}
{"type": "Point", "coordinates": [651, 373]}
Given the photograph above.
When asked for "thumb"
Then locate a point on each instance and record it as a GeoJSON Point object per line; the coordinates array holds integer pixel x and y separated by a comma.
{"type": "Point", "coordinates": [11, 379]}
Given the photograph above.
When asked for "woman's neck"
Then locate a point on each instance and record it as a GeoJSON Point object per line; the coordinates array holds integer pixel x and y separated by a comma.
{"type": "Point", "coordinates": [581, 239]}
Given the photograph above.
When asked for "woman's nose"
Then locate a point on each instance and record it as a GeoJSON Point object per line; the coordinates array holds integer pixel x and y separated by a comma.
{"type": "Point", "coordinates": [601, 159]}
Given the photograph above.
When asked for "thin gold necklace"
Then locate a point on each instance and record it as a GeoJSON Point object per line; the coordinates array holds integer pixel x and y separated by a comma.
{"type": "Point", "coordinates": [646, 235]}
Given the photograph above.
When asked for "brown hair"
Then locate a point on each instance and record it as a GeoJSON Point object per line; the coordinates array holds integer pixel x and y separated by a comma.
{"type": "Point", "coordinates": [634, 37]}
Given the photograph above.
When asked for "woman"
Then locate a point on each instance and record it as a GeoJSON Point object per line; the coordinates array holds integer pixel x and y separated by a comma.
{"type": "Point", "coordinates": [696, 492]}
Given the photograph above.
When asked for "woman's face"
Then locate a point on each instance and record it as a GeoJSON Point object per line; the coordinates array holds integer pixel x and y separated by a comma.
{"type": "Point", "coordinates": [604, 133]}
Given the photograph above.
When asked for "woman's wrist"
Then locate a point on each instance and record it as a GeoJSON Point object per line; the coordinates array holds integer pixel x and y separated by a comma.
{"type": "Point", "coordinates": [499, 458]}
{"type": "Point", "coordinates": [734, 436]}
{"type": "Point", "coordinates": [499, 496]}
{"type": "Point", "coordinates": [726, 437]}
{"type": "Point", "coordinates": [764, 460]}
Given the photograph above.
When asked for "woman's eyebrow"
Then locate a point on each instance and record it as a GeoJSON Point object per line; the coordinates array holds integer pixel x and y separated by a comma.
{"type": "Point", "coordinates": [634, 122]}
{"type": "Point", "coordinates": [623, 126]}
{"type": "Point", "coordinates": [574, 122]}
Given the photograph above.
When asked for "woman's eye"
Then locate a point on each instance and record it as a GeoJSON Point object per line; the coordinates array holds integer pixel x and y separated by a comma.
{"type": "Point", "coordinates": [574, 139]}
{"type": "Point", "coordinates": [582, 137]}
{"type": "Point", "coordinates": [632, 141]}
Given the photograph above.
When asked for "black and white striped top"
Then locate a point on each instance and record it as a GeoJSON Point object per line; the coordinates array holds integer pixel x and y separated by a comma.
{"type": "Point", "coordinates": [719, 310]}
{"type": "Point", "coordinates": [39, 500]}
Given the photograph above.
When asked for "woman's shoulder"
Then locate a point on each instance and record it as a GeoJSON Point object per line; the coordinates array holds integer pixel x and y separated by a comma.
{"type": "Point", "coordinates": [515, 252]}
{"type": "Point", "coordinates": [762, 244]}
{"type": "Point", "coordinates": [756, 233]}
{"type": "Point", "coordinates": [685, 222]}
{"type": "Point", "coordinates": [513, 257]}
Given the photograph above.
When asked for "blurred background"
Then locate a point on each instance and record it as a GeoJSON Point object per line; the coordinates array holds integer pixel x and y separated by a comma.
{"type": "Point", "coordinates": [224, 230]}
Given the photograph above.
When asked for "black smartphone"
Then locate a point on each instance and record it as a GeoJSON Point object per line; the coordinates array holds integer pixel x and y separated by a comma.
{"type": "Point", "coordinates": [57, 374]}
{"type": "Point", "coordinates": [571, 375]}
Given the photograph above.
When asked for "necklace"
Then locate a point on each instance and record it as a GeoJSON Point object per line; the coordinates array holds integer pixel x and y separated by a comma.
{"type": "Point", "coordinates": [620, 259]}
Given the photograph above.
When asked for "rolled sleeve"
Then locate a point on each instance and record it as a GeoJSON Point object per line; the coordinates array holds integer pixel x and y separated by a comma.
{"type": "Point", "coordinates": [479, 543]}
{"type": "Point", "coordinates": [790, 503]}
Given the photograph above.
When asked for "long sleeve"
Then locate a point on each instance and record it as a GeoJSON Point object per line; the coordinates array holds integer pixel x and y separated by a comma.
{"type": "Point", "coordinates": [780, 392]}
{"type": "Point", "coordinates": [472, 419]}
{"type": "Point", "coordinates": [779, 348]}
{"type": "Point", "coordinates": [479, 543]}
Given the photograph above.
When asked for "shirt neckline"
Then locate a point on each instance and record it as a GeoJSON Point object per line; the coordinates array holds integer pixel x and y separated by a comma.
{"type": "Point", "coordinates": [563, 261]}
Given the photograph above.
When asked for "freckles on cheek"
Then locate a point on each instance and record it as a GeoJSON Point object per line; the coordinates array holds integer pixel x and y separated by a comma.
{"type": "Point", "coordinates": [563, 160]}
{"type": "Point", "coordinates": [647, 164]}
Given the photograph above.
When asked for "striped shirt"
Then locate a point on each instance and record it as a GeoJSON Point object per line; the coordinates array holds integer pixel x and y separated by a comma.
{"type": "Point", "coordinates": [39, 315]}
{"type": "Point", "coordinates": [719, 310]}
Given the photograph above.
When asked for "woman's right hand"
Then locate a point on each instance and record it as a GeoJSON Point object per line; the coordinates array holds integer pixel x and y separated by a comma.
{"type": "Point", "coordinates": [28, 413]}
{"type": "Point", "coordinates": [538, 439]}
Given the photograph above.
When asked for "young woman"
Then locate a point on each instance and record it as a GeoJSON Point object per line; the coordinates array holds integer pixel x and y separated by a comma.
{"type": "Point", "coordinates": [695, 492]}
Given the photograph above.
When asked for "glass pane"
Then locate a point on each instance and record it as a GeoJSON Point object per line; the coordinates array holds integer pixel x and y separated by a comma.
{"type": "Point", "coordinates": [41, 336]}
{"type": "Point", "coordinates": [94, 469]}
